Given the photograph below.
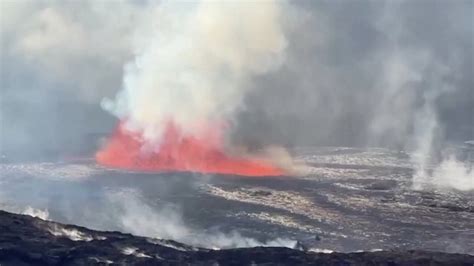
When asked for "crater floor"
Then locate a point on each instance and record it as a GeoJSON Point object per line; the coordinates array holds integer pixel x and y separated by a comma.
{"type": "Point", "coordinates": [352, 199]}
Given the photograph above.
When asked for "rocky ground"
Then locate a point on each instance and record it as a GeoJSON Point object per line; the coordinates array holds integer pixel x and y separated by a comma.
{"type": "Point", "coordinates": [25, 240]}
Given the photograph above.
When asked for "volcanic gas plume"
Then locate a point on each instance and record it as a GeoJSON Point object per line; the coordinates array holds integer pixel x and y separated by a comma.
{"type": "Point", "coordinates": [195, 64]}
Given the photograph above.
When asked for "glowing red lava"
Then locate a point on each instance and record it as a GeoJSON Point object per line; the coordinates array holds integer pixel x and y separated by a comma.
{"type": "Point", "coordinates": [179, 152]}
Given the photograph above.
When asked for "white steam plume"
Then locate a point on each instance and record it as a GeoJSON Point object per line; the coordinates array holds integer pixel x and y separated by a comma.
{"type": "Point", "coordinates": [452, 173]}
{"type": "Point", "coordinates": [414, 79]}
{"type": "Point", "coordinates": [132, 214]}
{"type": "Point", "coordinates": [194, 64]}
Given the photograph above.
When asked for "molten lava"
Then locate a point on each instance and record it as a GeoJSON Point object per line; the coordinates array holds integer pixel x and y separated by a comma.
{"type": "Point", "coordinates": [179, 152]}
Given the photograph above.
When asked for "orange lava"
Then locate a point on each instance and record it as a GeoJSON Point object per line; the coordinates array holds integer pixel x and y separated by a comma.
{"type": "Point", "coordinates": [178, 152]}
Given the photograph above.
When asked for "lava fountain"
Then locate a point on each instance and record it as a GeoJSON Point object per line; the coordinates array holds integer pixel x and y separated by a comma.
{"type": "Point", "coordinates": [197, 65]}
{"type": "Point", "coordinates": [203, 153]}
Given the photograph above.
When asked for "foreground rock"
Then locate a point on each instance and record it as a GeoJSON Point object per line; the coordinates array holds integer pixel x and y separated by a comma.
{"type": "Point", "coordinates": [25, 240]}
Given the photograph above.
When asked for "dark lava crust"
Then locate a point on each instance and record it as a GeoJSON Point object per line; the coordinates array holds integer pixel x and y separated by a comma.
{"type": "Point", "coordinates": [25, 240]}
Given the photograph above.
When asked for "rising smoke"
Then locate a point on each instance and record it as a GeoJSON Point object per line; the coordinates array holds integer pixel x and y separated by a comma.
{"type": "Point", "coordinates": [125, 210]}
{"type": "Point", "coordinates": [194, 66]}
{"type": "Point", "coordinates": [139, 218]}
{"type": "Point", "coordinates": [416, 78]}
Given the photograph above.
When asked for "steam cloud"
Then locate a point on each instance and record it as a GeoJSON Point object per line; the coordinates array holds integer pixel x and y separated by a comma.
{"type": "Point", "coordinates": [194, 66]}
{"type": "Point", "coordinates": [135, 216]}
{"type": "Point", "coordinates": [415, 74]}
{"type": "Point", "coordinates": [128, 211]}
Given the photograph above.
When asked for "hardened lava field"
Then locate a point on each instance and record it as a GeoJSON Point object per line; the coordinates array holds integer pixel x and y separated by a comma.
{"type": "Point", "coordinates": [353, 199]}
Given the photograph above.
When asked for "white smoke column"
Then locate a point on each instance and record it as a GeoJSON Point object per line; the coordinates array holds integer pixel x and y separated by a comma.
{"type": "Point", "coordinates": [430, 172]}
{"type": "Point", "coordinates": [411, 74]}
{"type": "Point", "coordinates": [449, 172]}
{"type": "Point", "coordinates": [195, 64]}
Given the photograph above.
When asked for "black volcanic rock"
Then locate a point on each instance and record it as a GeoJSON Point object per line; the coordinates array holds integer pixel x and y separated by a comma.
{"type": "Point", "coordinates": [25, 240]}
